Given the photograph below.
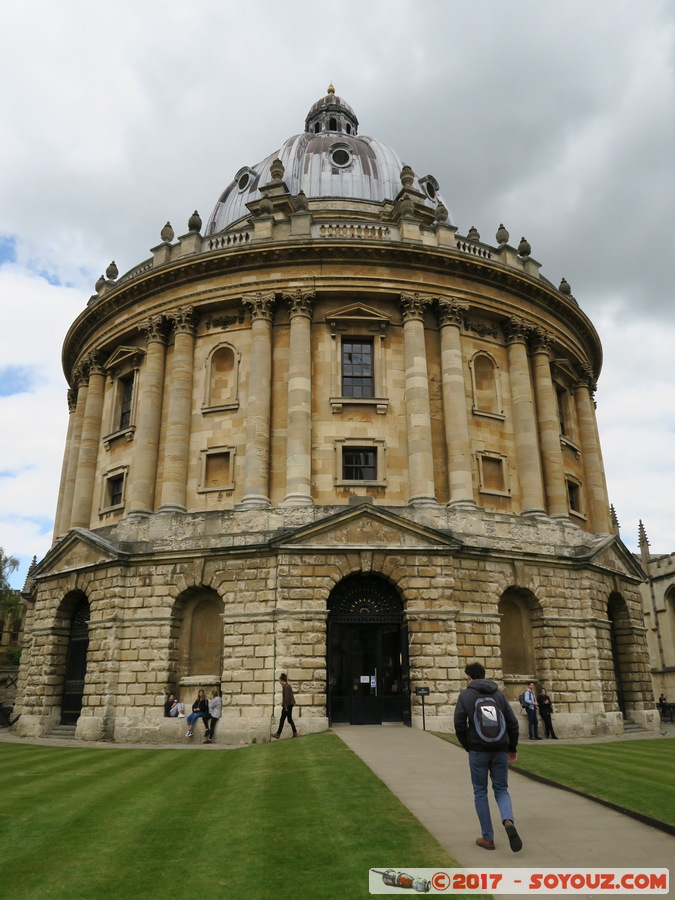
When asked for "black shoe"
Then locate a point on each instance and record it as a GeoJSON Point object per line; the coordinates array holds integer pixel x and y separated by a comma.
{"type": "Point", "coordinates": [514, 837]}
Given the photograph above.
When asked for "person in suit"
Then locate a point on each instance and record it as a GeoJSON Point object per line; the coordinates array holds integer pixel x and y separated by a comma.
{"type": "Point", "coordinates": [546, 711]}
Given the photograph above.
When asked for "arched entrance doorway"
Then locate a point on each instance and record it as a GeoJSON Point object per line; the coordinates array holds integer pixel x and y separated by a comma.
{"type": "Point", "coordinates": [621, 641]}
{"type": "Point", "coordinates": [76, 664]}
{"type": "Point", "coordinates": [368, 672]}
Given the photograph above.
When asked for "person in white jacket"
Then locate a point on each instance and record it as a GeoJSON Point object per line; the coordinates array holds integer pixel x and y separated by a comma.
{"type": "Point", "coordinates": [215, 712]}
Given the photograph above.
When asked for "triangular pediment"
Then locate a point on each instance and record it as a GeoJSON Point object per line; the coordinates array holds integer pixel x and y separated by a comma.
{"type": "Point", "coordinates": [364, 527]}
{"type": "Point", "coordinates": [79, 549]}
{"type": "Point", "coordinates": [612, 554]}
{"type": "Point", "coordinates": [357, 314]}
{"type": "Point", "coordinates": [130, 357]}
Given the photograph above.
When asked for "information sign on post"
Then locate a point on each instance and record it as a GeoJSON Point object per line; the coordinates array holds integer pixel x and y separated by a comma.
{"type": "Point", "coordinates": [423, 692]}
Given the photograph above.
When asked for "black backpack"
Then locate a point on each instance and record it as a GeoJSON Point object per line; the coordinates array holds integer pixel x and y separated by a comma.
{"type": "Point", "coordinates": [521, 698]}
{"type": "Point", "coordinates": [489, 721]}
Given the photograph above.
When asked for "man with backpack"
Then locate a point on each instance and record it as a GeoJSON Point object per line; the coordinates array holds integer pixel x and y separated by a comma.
{"type": "Point", "coordinates": [487, 728]}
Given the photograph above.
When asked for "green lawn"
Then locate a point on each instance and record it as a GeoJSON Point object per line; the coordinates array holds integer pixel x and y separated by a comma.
{"type": "Point", "coordinates": [637, 775]}
{"type": "Point", "coordinates": [295, 819]}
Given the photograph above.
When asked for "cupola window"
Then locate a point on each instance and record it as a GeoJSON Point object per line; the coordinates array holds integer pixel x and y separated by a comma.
{"type": "Point", "coordinates": [332, 125]}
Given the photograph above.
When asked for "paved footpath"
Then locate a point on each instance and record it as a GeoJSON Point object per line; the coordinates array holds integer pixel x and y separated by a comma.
{"type": "Point", "coordinates": [558, 828]}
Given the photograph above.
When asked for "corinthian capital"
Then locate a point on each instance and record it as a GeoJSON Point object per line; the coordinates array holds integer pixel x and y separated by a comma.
{"type": "Point", "coordinates": [451, 311]}
{"type": "Point", "coordinates": [586, 378]}
{"type": "Point", "coordinates": [517, 330]}
{"type": "Point", "coordinates": [93, 363]}
{"type": "Point", "coordinates": [413, 306]}
{"type": "Point", "coordinates": [154, 329]}
{"type": "Point", "coordinates": [260, 305]}
{"type": "Point", "coordinates": [541, 340]}
{"type": "Point", "coordinates": [183, 319]}
{"type": "Point", "coordinates": [300, 303]}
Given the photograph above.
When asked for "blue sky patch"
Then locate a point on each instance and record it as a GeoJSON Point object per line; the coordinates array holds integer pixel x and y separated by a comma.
{"type": "Point", "coordinates": [7, 249]}
{"type": "Point", "coordinates": [15, 380]}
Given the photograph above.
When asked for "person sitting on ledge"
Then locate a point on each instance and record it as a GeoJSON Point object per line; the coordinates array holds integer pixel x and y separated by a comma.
{"type": "Point", "coordinates": [173, 708]}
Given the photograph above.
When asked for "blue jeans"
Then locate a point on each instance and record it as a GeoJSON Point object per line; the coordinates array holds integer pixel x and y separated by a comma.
{"type": "Point", "coordinates": [497, 765]}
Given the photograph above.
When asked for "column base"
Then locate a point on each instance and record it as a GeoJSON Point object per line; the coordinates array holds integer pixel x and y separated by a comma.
{"type": "Point", "coordinates": [254, 501]}
{"type": "Point", "coordinates": [137, 514]}
{"type": "Point", "coordinates": [296, 500]}
{"type": "Point", "coordinates": [170, 509]}
{"type": "Point", "coordinates": [423, 501]}
{"type": "Point", "coordinates": [461, 504]}
{"type": "Point", "coordinates": [535, 513]}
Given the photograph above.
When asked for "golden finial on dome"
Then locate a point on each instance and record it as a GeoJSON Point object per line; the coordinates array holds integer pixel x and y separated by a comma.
{"type": "Point", "coordinates": [331, 89]}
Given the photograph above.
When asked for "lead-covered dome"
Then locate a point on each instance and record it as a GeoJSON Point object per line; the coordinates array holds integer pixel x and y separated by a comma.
{"type": "Point", "coordinates": [329, 160]}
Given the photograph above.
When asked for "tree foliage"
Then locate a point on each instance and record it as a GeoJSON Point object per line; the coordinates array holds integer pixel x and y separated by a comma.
{"type": "Point", "coordinates": [10, 600]}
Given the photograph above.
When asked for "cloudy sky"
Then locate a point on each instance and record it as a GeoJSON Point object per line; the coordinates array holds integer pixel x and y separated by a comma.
{"type": "Point", "coordinates": [556, 118]}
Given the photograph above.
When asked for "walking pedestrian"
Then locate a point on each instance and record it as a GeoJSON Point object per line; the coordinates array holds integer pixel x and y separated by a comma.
{"type": "Point", "coordinates": [287, 704]}
{"type": "Point", "coordinates": [490, 750]}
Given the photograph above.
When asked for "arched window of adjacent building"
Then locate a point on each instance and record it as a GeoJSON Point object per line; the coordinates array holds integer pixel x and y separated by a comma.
{"type": "Point", "coordinates": [222, 375]}
{"type": "Point", "coordinates": [198, 626]}
{"type": "Point", "coordinates": [516, 636]}
{"type": "Point", "coordinates": [668, 634]}
{"type": "Point", "coordinates": [485, 383]}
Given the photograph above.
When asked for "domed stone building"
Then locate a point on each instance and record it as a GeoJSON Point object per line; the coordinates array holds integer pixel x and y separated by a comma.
{"type": "Point", "coordinates": [326, 434]}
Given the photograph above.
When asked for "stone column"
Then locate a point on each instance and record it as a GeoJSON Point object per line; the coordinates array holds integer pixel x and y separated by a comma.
{"type": "Point", "coordinates": [524, 419]}
{"type": "Point", "coordinates": [418, 411]}
{"type": "Point", "coordinates": [258, 422]}
{"type": "Point", "coordinates": [450, 317]}
{"type": "Point", "coordinates": [61, 518]}
{"type": "Point", "coordinates": [596, 487]}
{"type": "Point", "coordinates": [299, 432]}
{"type": "Point", "coordinates": [83, 496]}
{"type": "Point", "coordinates": [177, 442]}
{"type": "Point", "coordinates": [150, 386]}
{"type": "Point", "coordinates": [549, 426]}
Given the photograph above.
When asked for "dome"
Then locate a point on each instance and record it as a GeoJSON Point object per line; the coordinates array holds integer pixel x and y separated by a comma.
{"type": "Point", "coordinates": [329, 160]}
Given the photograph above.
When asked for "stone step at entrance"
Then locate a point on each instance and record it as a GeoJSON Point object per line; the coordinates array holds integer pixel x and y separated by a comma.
{"type": "Point", "coordinates": [62, 732]}
{"type": "Point", "coordinates": [631, 727]}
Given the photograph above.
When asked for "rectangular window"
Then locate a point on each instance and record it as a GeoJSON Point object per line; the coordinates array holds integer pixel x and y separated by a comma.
{"type": "Point", "coordinates": [217, 471]}
{"type": "Point", "coordinates": [561, 395]}
{"type": "Point", "coordinates": [115, 490]}
{"type": "Point", "coordinates": [493, 474]}
{"type": "Point", "coordinates": [357, 368]}
{"type": "Point", "coordinates": [574, 496]}
{"type": "Point", "coordinates": [359, 464]}
{"type": "Point", "coordinates": [126, 393]}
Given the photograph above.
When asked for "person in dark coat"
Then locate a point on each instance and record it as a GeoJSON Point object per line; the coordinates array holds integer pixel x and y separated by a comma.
{"type": "Point", "coordinates": [546, 711]}
{"type": "Point", "coordinates": [200, 710]}
{"type": "Point", "coordinates": [493, 760]}
{"type": "Point", "coordinates": [287, 704]}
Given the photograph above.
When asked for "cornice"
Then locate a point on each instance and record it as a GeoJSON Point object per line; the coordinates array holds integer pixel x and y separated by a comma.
{"type": "Point", "coordinates": [394, 255]}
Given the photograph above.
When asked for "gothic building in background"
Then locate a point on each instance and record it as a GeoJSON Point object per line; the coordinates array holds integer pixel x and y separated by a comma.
{"type": "Point", "coordinates": [327, 434]}
{"type": "Point", "coordinates": [658, 597]}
